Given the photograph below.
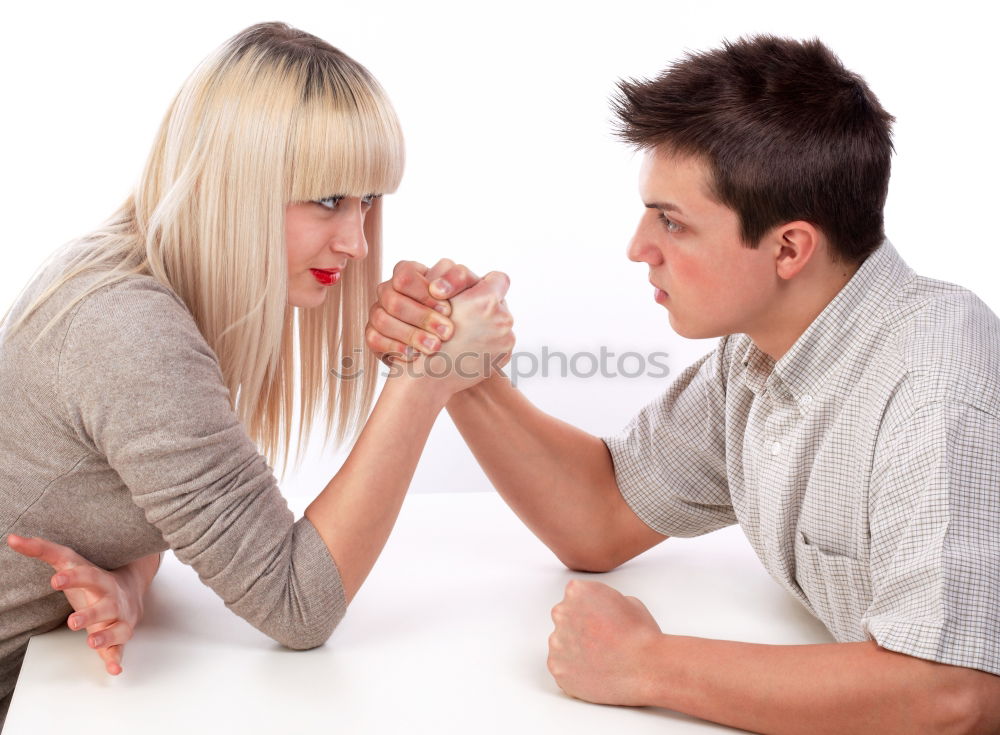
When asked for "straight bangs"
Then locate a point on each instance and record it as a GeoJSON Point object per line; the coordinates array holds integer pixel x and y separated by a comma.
{"type": "Point", "coordinates": [347, 141]}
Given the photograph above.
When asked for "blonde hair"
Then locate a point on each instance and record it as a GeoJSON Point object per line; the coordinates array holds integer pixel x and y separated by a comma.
{"type": "Point", "coordinates": [274, 116]}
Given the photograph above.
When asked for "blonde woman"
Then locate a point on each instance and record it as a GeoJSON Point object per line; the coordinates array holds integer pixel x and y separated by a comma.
{"type": "Point", "coordinates": [146, 364]}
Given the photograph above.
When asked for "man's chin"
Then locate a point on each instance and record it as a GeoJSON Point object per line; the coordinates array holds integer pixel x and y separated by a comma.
{"type": "Point", "coordinates": [692, 331]}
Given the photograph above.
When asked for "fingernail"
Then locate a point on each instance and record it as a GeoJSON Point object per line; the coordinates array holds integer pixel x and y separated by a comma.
{"type": "Point", "coordinates": [441, 286]}
{"type": "Point", "coordinates": [441, 309]}
{"type": "Point", "coordinates": [429, 342]}
{"type": "Point", "coordinates": [59, 581]}
{"type": "Point", "coordinates": [74, 622]}
{"type": "Point", "coordinates": [97, 641]}
{"type": "Point", "coordinates": [410, 353]}
{"type": "Point", "coordinates": [441, 329]}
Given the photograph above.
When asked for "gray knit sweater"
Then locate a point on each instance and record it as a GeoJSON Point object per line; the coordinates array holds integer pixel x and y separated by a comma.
{"type": "Point", "coordinates": [117, 439]}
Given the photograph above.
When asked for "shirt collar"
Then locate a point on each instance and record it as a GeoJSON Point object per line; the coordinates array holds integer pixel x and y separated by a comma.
{"type": "Point", "coordinates": [850, 319]}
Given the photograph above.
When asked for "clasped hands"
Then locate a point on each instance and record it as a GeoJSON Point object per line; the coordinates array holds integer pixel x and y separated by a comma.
{"type": "Point", "coordinates": [602, 638]}
{"type": "Point", "coordinates": [458, 338]}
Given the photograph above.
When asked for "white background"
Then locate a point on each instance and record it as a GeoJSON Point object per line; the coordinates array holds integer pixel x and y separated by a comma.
{"type": "Point", "coordinates": [511, 164]}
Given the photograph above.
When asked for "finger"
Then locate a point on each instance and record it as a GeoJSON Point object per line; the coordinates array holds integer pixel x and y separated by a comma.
{"type": "Point", "coordinates": [493, 283]}
{"type": "Point", "coordinates": [452, 282]}
{"type": "Point", "coordinates": [86, 577]}
{"type": "Point", "coordinates": [112, 657]}
{"type": "Point", "coordinates": [439, 269]}
{"type": "Point", "coordinates": [557, 613]}
{"type": "Point", "coordinates": [413, 313]}
{"type": "Point", "coordinates": [388, 350]}
{"type": "Point", "coordinates": [410, 279]}
{"type": "Point", "coordinates": [50, 552]}
{"type": "Point", "coordinates": [114, 635]}
{"type": "Point", "coordinates": [394, 329]}
{"type": "Point", "coordinates": [103, 611]}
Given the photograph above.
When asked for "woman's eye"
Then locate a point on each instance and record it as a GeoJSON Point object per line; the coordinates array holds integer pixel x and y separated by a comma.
{"type": "Point", "coordinates": [669, 224]}
{"type": "Point", "coordinates": [329, 202]}
{"type": "Point", "coordinates": [368, 199]}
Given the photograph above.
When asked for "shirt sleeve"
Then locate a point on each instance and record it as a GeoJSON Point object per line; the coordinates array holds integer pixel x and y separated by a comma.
{"type": "Point", "coordinates": [144, 389]}
{"type": "Point", "coordinates": [670, 461]}
{"type": "Point", "coordinates": [934, 518]}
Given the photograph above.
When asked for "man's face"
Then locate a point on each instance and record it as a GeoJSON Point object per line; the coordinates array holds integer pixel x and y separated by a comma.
{"type": "Point", "coordinates": [709, 282]}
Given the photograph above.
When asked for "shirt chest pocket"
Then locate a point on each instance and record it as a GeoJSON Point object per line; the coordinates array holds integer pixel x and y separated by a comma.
{"type": "Point", "coordinates": [838, 587]}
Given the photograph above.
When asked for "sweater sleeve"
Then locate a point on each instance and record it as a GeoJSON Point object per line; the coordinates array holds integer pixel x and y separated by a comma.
{"type": "Point", "coordinates": [142, 387]}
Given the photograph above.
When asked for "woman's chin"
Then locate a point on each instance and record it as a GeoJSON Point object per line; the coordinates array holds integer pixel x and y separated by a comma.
{"type": "Point", "coordinates": [307, 301]}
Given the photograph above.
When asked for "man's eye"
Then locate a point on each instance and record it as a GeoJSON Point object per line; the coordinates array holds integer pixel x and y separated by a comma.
{"type": "Point", "coordinates": [669, 224]}
{"type": "Point", "coordinates": [330, 202]}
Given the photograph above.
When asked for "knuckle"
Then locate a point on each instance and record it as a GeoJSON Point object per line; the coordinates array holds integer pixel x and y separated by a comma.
{"type": "Point", "coordinates": [373, 338]}
{"type": "Point", "coordinates": [394, 303]}
{"type": "Point", "coordinates": [379, 320]}
{"type": "Point", "coordinates": [403, 280]}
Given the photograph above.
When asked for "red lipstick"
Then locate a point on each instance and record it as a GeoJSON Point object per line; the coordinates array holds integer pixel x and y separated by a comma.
{"type": "Point", "coordinates": [325, 277]}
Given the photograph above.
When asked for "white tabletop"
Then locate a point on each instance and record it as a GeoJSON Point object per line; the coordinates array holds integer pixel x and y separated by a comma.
{"type": "Point", "coordinates": [448, 635]}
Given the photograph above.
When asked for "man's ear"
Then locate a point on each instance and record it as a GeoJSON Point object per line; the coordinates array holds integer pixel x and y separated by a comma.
{"type": "Point", "coordinates": [795, 244]}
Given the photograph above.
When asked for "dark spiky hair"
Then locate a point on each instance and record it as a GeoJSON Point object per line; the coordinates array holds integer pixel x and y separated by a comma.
{"type": "Point", "coordinates": [787, 132]}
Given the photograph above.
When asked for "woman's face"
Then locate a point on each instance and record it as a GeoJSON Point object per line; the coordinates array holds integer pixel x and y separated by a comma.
{"type": "Point", "coordinates": [320, 238]}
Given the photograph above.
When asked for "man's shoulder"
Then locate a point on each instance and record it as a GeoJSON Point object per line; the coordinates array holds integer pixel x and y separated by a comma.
{"type": "Point", "coordinates": [946, 341]}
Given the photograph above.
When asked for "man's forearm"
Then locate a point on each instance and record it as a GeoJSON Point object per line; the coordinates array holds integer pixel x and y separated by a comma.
{"type": "Point", "coordinates": [830, 688]}
{"type": "Point", "coordinates": [558, 479]}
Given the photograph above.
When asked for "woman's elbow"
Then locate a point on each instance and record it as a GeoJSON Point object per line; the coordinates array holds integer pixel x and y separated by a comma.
{"type": "Point", "coordinates": [306, 634]}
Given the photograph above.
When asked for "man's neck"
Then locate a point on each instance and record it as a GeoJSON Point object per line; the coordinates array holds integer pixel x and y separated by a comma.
{"type": "Point", "coordinates": [802, 300]}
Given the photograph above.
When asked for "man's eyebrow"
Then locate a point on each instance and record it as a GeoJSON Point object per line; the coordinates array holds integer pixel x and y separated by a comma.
{"type": "Point", "coordinates": [665, 206]}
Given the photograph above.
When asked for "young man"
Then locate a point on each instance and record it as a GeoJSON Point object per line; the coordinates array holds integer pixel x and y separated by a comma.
{"type": "Point", "coordinates": [849, 418]}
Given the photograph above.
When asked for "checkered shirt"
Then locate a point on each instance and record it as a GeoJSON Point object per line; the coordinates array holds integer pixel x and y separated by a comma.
{"type": "Point", "coordinates": [863, 465]}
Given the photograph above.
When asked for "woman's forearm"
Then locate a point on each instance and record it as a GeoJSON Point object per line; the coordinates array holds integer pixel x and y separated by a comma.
{"type": "Point", "coordinates": [138, 575]}
{"type": "Point", "coordinates": [357, 509]}
{"type": "Point", "coordinates": [557, 478]}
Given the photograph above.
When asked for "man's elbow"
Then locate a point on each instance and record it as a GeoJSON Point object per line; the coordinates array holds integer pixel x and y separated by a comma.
{"type": "Point", "coordinates": [969, 707]}
{"type": "Point", "coordinates": [593, 561]}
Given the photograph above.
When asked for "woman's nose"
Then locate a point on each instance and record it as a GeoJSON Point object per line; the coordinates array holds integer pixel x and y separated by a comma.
{"type": "Point", "coordinates": [349, 238]}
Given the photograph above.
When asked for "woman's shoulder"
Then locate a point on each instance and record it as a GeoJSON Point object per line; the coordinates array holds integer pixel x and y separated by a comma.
{"type": "Point", "coordinates": [135, 316]}
{"type": "Point", "coordinates": [55, 297]}
{"type": "Point", "coordinates": [131, 296]}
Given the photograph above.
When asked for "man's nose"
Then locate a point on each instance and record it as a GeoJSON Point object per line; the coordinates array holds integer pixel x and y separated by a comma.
{"type": "Point", "coordinates": [641, 249]}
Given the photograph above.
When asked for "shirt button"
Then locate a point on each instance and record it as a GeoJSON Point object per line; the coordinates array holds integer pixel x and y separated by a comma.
{"type": "Point", "coordinates": [805, 401]}
{"type": "Point", "coordinates": [776, 448]}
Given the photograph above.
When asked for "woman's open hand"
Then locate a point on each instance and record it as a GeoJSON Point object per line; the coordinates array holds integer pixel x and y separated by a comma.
{"type": "Point", "coordinates": [107, 604]}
